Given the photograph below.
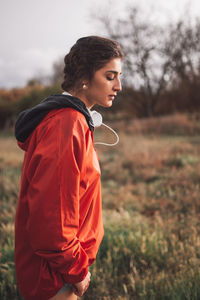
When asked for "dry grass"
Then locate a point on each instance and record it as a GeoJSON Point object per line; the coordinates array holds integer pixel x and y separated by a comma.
{"type": "Point", "coordinates": [10, 154]}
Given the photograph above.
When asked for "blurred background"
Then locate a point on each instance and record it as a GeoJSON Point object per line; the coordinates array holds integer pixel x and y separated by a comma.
{"type": "Point", "coordinates": [151, 179]}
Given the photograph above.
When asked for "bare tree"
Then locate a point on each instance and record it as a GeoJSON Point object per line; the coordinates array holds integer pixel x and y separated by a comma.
{"type": "Point", "coordinates": [185, 56]}
{"type": "Point", "coordinates": [185, 53]}
{"type": "Point", "coordinates": [154, 56]}
{"type": "Point", "coordinates": [57, 71]}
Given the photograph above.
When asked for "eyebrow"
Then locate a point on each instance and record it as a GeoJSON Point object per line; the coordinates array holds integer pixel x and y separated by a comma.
{"type": "Point", "coordinates": [114, 72]}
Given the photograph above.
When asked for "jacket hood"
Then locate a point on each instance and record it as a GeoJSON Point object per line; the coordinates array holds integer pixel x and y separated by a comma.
{"type": "Point", "coordinates": [29, 119]}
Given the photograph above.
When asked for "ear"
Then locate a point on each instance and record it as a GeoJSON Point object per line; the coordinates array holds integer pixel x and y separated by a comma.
{"type": "Point", "coordinates": [85, 84]}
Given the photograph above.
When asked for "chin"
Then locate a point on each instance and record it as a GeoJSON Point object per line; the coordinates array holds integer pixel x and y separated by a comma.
{"type": "Point", "coordinates": [108, 104]}
{"type": "Point", "coordinates": [105, 104]}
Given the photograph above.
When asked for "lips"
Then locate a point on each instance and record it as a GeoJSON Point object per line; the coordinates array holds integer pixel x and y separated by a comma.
{"type": "Point", "coordinates": [112, 97]}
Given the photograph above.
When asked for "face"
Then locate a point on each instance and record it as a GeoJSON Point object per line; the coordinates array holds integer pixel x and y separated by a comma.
{"type": "Point", "coordinates": [104, 85]}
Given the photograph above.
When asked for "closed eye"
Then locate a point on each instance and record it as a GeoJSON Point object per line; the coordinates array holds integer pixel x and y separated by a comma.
{"type": "Point", "coordinates": [110, 78]}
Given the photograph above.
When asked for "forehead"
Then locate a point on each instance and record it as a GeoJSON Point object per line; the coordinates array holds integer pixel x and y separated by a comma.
{"type": "Point", "coordinates": [114, 64]}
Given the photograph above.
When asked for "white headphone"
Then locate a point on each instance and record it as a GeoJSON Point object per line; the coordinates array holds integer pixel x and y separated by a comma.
{"type": "Point", "coordinates": [98, 121]}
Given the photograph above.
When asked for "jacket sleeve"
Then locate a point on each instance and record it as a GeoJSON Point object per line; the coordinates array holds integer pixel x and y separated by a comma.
{"type": "Point", "coordinates": [53, 198]}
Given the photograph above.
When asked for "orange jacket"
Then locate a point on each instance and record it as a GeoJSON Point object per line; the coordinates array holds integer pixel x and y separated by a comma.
{"type": "Point", "coordinates": [58, 224]}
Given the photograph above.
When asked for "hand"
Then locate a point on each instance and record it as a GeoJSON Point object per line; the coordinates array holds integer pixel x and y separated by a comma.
{"type": "Point", "coordinates": [80, 287]}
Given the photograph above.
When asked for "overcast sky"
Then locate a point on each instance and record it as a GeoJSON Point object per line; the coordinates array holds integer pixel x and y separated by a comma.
{"type": "Point", "coordinates": [36, 33]}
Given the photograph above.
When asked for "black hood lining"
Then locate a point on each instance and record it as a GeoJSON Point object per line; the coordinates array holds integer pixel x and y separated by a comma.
{"type": "Point", "coordinates": [29, 119]}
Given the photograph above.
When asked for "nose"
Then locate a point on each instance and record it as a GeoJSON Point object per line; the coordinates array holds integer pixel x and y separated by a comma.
{"type": "Point", "coordinates": [117, 86]}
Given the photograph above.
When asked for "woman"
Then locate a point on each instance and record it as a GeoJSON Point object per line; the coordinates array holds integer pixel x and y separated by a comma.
{"type": "Point", "coordinates": [58, 224]}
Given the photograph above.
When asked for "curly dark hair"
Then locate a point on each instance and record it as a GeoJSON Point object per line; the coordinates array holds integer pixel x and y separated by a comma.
{"type": "Point", "coordinates": [86, 56]}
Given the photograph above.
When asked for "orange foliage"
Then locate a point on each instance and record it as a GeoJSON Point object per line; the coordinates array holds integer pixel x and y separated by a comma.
{"type": "Point", "coordinates": [15, 94]}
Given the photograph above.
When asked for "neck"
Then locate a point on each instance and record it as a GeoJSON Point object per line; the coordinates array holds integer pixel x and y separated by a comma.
{"type": "Point", "coordinates": [82, 97]}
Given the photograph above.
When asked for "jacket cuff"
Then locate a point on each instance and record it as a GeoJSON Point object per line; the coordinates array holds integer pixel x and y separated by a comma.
{"type": "Point", "coordinates": [75, 278]}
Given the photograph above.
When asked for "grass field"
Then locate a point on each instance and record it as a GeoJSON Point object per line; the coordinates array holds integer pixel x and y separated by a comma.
{"type": "Point", "coordinates": [151, 210]}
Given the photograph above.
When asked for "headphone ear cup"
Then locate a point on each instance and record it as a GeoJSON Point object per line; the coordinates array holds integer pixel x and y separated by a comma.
{"type": "Point", "coordinates": [96, 118]}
